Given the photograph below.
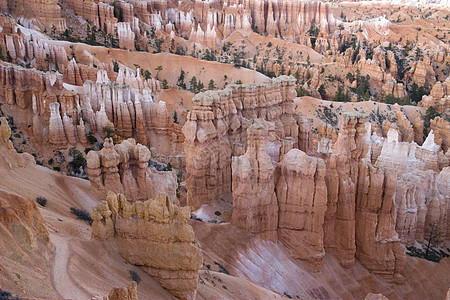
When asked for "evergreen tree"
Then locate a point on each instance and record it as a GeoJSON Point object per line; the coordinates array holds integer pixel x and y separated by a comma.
{"type": "Point", "coordinates": [322, 91]}
{"type": "Point", "coordinates": [193, 83]}
{"type": "Point", "coordinates": [211, 85]}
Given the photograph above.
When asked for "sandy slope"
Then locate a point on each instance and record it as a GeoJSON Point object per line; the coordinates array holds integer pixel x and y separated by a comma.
{"type": "Point", "coordinates": [172, 64]}
{"type": "Point", "coordinates": [62, 281]}
{"type": "Point", "coordinates": [268, 265]}
{"type": "Point", "coordinates": [81, 267]}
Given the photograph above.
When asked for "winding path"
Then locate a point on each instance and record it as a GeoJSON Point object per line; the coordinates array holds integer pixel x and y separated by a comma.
{"type": "Point", "coordinates": [61, 279]}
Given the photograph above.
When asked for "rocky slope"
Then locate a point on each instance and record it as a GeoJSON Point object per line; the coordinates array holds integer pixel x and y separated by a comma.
{"type": "Point", "coordinates": [166, 243]}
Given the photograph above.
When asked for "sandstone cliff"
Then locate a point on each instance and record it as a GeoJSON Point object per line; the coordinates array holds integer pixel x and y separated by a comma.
{"type": "Point", "coordinates": [153, 234]}
{"type": "Point", "coordinates": [255, 204]}
{"type": "Point", "coordinates": [302, 200]}
{"type": "Point", "coordinates": [216, 130]}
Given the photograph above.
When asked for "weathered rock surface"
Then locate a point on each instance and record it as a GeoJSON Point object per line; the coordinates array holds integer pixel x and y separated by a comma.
{"type": "Point", "coordinates": [124, 168]}
{"type": "Point", "coordinates": [418, 199]}
{"type": "Point", "coordinates": [60, 117]}
{"type": "Point", "coordinates": [155, 235]}
{"type": "Point", "coordinates": [302, 200]}
{"type": "Point", "coordinates": [342, 179]}
{"type": "Point", "coordinates": [352, 204]}
{"type": "Point", "coordinates": [48, 12]}
{"type": "Point", "coordinates": [254, 200]}
{"type": "Point", "coordinates": [438, 98]}
{"type": "Point", "coordinates": [121, 293]}
{"type": "Point", "coordinates": [25, 245]}
{"type": "Point", "coordinates": [51, 112]}
{"type": "Point", "coordinates": [24, 239]}
{"type": "Point", "coordinates": [9, 158]}
{"type": "Point", "coordinates": [127, 106]}
{"type": "Point", "coordinates": [377, 243]}
{"type": "Point", "coordinates": [217, 127]}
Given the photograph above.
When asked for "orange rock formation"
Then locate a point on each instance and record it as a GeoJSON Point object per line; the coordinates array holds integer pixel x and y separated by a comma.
{"type": "Point", "coordinates": [153, 234]}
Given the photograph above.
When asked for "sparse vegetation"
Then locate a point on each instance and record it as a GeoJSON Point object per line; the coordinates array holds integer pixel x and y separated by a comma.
{"type": "Point", "coordinates": [135, 276]}
{"type": "Point", "coordinates": [416, 93]}
{"type": "Point", "coordinates": [110, 133]}
{"type": "Point", "coordinates": [221, 268]}
{"type": "Point", "coordinates": [78, 163]}
{"type": "Point", "coordinates": [168, 167]}
{"type": "Point", "coordinates": [322, 91]}
{"type": "Point", "coordinates": [82, 214]}
{"type": "Point", "coordinates": [340, 96]}
{"type": "Point", "coordinates": [41, 201]}
{"type": "Point", "coordinates": [327, 115]}
{"type": "Point", "coordinates": [6, 295]}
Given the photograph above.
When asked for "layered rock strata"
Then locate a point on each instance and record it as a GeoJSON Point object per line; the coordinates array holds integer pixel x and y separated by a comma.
{"type": "Point", "coordinates": [216, 130]}
{"type": "Point", "coordinates": [129, 106]}
{"type": "Point", "coordinates": [47, 12]}
{"type": "Point", "coordinates": [124, 168]}
{"type": "Point", "coordinates": [52, 114]}
{"type": "Point", "coordinates": [302, 199]}
{"type": "Point", "coordinates": [155, 235]}
{"type": "Point", "coordinates": [280, 193]}
{"type": "Point", "coordinates": [46, 108]}
{"type": "Point", "coordinates": [255, 204]}
{"type": "Point", "coordinates": [366, 197]}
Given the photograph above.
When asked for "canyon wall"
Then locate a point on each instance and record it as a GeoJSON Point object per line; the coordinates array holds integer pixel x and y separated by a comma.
{"type": "Point", "coordinates": [254, 200]}
{"type": "Point", "coordinates": [47, 13]}
{"type": "Point", "coordinates": [55, 115]}
{"type": "Point", "coordinates": [216, 130]}
{"type": "Point", "coordinates": [302, 200]}
{"type": "Point", "coordinates": [360, 197]}
{"type": "Point", "coordinates": [155, 235]}
{"type": "Point", "coordinates": [129, 106]}
{"type": "Point", "coordinates": [206, 22]}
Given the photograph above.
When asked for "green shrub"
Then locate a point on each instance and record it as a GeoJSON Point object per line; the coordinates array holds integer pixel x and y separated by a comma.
{"type": "Point", "coordinates": [109, 131]}
{"type": "Point", "coordinates": [168, 167]}
{"type": "Point", "coordinates": [91, 139]}
{"type": "Point", "coordinates": [78, 160]}
{"type": "Point", "coordinates": [432, 113]}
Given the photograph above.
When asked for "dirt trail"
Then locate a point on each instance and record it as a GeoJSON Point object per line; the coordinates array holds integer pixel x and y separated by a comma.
{"type": "Point", "coordinates": [62, 281]}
